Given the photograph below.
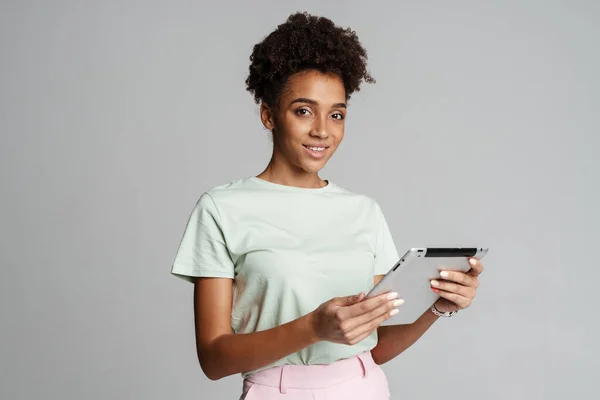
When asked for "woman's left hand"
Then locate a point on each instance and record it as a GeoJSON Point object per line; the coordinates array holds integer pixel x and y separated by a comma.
{"type": "Point", "coordinates": [457, 289]}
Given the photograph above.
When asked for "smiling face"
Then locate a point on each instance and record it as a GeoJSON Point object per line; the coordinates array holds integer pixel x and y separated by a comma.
{"type": "Point", "coordinates": [308, 123]}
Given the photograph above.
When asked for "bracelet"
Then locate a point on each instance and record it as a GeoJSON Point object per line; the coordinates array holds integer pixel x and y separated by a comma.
{"type": "Point", "coordinates": [446, 314]}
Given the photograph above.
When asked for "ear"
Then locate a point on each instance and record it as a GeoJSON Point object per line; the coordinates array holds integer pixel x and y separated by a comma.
{"type": "Point", "coordinates": [267, 116]}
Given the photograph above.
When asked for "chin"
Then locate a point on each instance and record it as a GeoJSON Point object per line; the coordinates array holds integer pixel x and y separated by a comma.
{"type": "Point", "coordinates": [313, 168]}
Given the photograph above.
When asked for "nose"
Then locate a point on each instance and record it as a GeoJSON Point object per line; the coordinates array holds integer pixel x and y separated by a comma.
{"type": "Point", "coordinates": [319, 128]}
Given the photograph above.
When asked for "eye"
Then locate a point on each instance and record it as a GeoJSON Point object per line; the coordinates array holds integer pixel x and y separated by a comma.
{"type": "Point", "coordinates": [302, 111]}
{"type": "Point", "coordinates": [338, 116]}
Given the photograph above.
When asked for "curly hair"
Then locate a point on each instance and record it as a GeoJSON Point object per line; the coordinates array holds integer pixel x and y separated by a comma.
{"type": "Point", "coordinates": [306, 42]}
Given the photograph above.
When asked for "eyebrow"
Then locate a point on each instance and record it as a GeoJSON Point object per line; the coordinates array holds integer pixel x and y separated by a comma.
{"type": "Point", "coordinates": [310, 101]}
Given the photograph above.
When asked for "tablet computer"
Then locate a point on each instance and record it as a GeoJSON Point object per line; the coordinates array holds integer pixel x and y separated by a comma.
{"type": "Point", "coordinates": [410, 277]}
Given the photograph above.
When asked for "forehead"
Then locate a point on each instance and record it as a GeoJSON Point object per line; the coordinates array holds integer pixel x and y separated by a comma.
{"type": "Point", "coordinates": [324, 88]}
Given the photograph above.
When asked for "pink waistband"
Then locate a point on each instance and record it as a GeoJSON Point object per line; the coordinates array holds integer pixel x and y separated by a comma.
{"type": "Point", "coordinates": [314, 376]}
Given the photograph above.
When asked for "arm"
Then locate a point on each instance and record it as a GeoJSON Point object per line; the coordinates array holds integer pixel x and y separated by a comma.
{"type": "Point", "coordinates": [457, 291]}
{"type": "Point", "coordinates": [221, 352]}
{"type": "Point", "coordinates": [394, 339]}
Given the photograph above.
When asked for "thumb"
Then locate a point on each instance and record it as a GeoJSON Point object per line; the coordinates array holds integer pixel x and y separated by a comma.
{"type": "Point", "coordinates": [349, 300]}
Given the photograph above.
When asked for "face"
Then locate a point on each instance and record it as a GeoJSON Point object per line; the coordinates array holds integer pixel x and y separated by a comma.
{"type": "Point", "coordinates": [308, 122]}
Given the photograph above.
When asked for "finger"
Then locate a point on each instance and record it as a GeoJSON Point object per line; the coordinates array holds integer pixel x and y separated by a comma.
{"type": "Point", "coordinates": [368, 326]}
{"type": "Point", "coordinates": [476, 267]}
{"type": "Point", "coordinates": [349, 300]}
{"type": "Point", "coordinates": [367, 305]}
{"type": "Point", "coordinates": [383, 311]}
{"type": "Point", "coordinates": [381, 307]}
{"type": "Point", "coordinates": [360, 338]}
{"type": "Point", "coordinates": [460, 301]}
{"type": "Point", "coordinates": [355, 299]}
{"type": "Point", "coordinates": [466, 291]}
{"type": "Point", "coordinates": [459, 277]}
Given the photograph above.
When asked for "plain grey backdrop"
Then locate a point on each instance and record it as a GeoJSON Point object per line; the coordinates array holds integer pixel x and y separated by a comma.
{"type": "Point", "coordinates": [115, 116]}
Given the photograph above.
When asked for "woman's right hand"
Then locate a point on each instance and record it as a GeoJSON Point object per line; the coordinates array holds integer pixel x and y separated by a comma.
{"type": "Point", "coordinates": [349, 320]}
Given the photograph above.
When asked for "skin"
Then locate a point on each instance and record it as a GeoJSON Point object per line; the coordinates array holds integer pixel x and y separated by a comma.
{"type": "Point", "coordinates": [456, 291]}
{"type": "Point", "coordinates": [311, 111]}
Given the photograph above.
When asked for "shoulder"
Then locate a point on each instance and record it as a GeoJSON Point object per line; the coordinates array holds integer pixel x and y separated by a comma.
{"type": "Point", "coordinates": [228, 187]}
{"type": "Point", "coordinates": [232, 192]}
{"type": "Point", "coordinates": [208, 199]}
{"type": "Point", "coordinates": [362, 198]}
{"type": "Point", "coordinates": [226, 190]}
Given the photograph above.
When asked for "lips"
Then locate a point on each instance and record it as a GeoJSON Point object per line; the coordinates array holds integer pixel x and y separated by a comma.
{"type": "Point", "coordinates": [316, 151]}
{"type": "Point", "coordinates": [315, 148]}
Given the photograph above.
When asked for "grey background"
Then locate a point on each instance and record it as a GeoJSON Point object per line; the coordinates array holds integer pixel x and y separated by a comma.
{"type": "Point", "coordinates": [115, 116]}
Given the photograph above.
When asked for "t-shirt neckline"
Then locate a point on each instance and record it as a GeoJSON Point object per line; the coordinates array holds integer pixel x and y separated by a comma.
{"type": "Point", "coordinates": [291, 188]}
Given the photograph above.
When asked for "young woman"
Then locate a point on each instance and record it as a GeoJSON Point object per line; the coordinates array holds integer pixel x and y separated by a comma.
{"type": "Point", "coordinates": [281, 261]}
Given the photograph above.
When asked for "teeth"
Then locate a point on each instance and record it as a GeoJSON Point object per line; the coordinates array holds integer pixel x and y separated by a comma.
{"type": "Point", "coordinates": [316, 148]}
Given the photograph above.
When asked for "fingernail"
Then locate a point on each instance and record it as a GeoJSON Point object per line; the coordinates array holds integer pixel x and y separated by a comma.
{"type": "Point", "coordinates": [472, 261]}
{"type": "Point", "coordinates": [444, 274]}
{"type": "Point", "coordinates": [435, 290]}
{"type": "Point", "coordinates": [435, 283]}
{"type": "Point", "coordinates": [394, 312]}
{"type": "Point", "coordinates": [398, 302]}
{"type": "Point", "coordinates": [392, 295]}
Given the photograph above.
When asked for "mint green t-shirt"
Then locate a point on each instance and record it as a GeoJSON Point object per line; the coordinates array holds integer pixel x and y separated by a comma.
{"type": "Point", "coordinates": [288, 250]}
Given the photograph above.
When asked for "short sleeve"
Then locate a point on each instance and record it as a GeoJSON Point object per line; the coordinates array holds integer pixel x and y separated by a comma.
{"type": "Point", "coordinates": [386, 254]}
{"type": "Point", "coordinates": [202, 251]}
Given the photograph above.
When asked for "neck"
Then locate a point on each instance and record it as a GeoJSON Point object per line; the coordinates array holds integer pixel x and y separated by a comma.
{"type": "Point", "coordinates": [285, 174]}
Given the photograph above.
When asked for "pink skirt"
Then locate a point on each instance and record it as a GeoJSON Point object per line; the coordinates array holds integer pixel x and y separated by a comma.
{"type": "Point", "coordinates": [353, 378]}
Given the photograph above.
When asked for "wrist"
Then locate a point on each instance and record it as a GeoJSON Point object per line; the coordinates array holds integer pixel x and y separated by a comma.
{"type": "Point", "coordinates": [442, 313]}
{"type": "Point", "coordinates": [309, 328]}
{"type": "Point", "coordinates": [445, 306]}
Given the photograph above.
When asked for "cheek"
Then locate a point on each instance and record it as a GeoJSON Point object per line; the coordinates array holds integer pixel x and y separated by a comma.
{"type": "Point", "coordinates": [338, 137]}
{"type": "Point", "coordinates": [293, 132]}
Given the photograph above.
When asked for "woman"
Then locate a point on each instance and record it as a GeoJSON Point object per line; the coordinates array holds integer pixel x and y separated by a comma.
{"type": "Point", "coordinates": [281, 261]}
